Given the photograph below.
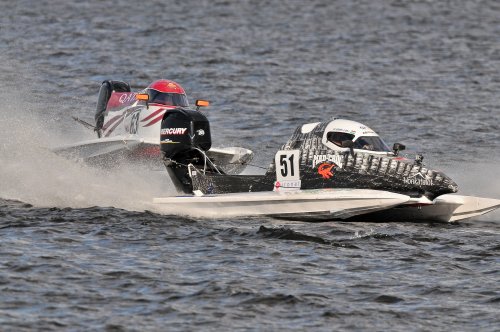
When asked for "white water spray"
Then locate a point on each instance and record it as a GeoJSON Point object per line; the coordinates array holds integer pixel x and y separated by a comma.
{"type": "Point", "coordinates": [31, 173]}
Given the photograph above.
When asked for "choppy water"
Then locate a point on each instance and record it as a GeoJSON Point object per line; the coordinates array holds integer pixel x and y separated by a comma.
{"type": "Point", "coordinates": [79, 249]}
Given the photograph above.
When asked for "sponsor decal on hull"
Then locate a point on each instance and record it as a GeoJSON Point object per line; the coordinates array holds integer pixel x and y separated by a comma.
{"type": "Point", "coordinates": [126, 98]}
{"type": "Point", "coordinates": [418, 180]}
{"type": "Point", "coordinates": [334, 158]}
{"type": "Point", "coordinates": [344, 130]}
{"type": "Point", "coordinates": [120, 99]}
{"type": "Point", "coordinates": [173, 131]}
{"type": "Point", "coordinates": [287, 185]}
{"type": "Point", "coordinates": [325, 170]}
{"type": "Point", "coordinates": [287, 170]}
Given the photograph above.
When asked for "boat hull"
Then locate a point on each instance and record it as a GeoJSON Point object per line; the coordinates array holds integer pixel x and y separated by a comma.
{"type": "Point", "coordinates": [445, 208]}
{"type": "Point", "coordinates": [110, 152]}
{"type": "Point", "coordinates": [310, 205]}
{"type": "Point", "coordinates": [328, 204]}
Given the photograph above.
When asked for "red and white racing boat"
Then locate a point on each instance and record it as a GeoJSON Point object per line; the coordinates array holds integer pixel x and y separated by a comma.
{"type": "Point", "coordinates": [128, 127]}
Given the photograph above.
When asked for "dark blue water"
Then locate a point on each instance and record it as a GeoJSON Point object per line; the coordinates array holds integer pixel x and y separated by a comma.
{"type": "Point", "coordinates": [81, 248]}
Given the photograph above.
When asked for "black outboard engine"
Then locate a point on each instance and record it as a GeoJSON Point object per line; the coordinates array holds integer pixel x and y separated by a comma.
{"type": "Point", "coordinates": [105, 91]}
{"type": "Point", "coordinates": [184, 138]}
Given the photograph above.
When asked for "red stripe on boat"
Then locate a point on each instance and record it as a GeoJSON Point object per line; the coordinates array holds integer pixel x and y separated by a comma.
{"type": "Point", "coordinates": [152, 122]}
{"type": "Point", "coordinates": [152, 115]}
{"type": "Point", "coordinates": [113, 128]}
{"type": "Point", "coordinates": [111, 121]}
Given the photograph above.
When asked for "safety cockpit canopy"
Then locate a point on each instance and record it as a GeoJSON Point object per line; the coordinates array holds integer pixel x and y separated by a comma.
{"type": "Point", "coordinates": [167, 98]}
{"type": "Point", "coordinates": [364, 138]}
{"type": "Point", "coordinates": [167, 92]}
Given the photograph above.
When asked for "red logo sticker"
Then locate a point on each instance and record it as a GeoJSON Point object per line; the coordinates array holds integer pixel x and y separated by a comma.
{"type": "Point", "coordinates": [325, 170]}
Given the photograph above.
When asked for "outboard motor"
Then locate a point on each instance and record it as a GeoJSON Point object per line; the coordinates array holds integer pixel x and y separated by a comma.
{"type": "Point", "coordinates": [184, 139]}
{"type": "Point", "coordinates": [105, 91]}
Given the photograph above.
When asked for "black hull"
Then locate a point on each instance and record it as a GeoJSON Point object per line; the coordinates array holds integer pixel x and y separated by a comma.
{"type": "Point", "coordinates": [361, 171]}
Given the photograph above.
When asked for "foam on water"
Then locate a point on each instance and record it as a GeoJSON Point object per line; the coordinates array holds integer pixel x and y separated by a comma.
{"type": "Point", "coordinates": [32, 173]}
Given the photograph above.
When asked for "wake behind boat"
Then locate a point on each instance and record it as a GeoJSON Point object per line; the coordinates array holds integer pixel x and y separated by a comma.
{"type": "Point", "coordinates": [336, 169]}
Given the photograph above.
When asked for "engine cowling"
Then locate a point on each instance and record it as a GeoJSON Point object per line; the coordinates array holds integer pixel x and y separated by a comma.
{"type": "Point", "coordinates": [184, 138]}
{"type": "Point", "coordinates": [182, 131]}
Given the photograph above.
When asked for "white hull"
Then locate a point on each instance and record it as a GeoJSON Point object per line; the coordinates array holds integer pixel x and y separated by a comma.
{"type": "Point", "coordinates": [100, 146]}
{"type": "Point", "coordinates": [110, 151]}
{"type": "Point", "coordinates": [328, 204]}
{"type": "Point", "coordinates": [472, 206]}
{"type": "Point", "coordinates": [446, 208]}
{"type": "Point", "coordinates": [309, 204]}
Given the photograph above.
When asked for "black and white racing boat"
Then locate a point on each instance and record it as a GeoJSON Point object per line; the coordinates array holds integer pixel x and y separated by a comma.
{"type": "Point", "coordinates": [336, 169]}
